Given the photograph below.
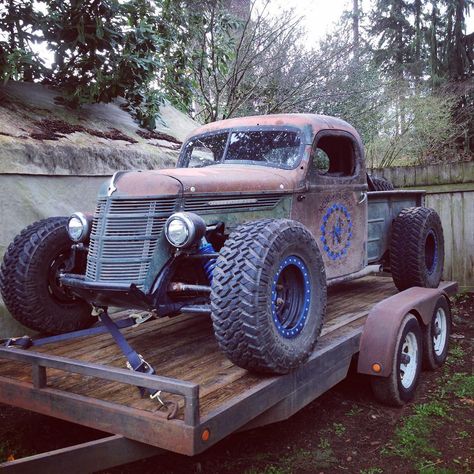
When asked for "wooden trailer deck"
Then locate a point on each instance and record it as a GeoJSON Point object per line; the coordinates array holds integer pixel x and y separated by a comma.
{"type": "Point", "coordinates": [84, 380]}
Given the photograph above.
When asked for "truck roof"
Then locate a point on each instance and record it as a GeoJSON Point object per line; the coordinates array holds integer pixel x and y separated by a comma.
{"type": "Point", "coordinates": [309, 123]}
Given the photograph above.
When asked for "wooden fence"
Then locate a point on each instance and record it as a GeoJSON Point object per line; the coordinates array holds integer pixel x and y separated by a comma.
{"type": "Point", "coordinates": [450, 190]}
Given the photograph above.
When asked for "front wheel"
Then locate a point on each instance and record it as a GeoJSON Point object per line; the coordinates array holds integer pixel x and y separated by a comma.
{"type": "Point", "coordinates": [268, 296]}
{"type": "Point", "coordinates": [29, 280]}
{"type": "Point", "coordinates": [400, 386]}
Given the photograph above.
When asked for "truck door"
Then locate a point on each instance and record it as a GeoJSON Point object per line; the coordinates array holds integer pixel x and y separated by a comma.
{"type": "Point", "coordinates": [334, 207]}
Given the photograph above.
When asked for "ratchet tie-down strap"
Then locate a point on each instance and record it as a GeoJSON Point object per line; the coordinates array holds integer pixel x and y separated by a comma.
{"type": "Point", "coordinates": [135, 361]}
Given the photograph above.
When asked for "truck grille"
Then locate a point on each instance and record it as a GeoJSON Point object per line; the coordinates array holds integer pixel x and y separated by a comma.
{"type": "Point", "coordinates": [123, 238]}
{"type": "Point", "coordinates": [243, 202]}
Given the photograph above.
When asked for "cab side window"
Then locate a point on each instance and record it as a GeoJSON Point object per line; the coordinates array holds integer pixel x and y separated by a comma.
{"type": "Point", "coordinates": [334, 156]}
{"type": "Point", "coordinates": [321, 161]}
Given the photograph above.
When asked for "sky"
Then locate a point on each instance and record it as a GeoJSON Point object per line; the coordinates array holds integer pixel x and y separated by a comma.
{"type": "Point", "coordinates": [320, 15]}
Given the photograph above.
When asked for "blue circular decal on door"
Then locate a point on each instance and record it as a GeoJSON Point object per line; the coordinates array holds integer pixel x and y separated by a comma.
{"type": "Point", "coordinates": [336, 231]}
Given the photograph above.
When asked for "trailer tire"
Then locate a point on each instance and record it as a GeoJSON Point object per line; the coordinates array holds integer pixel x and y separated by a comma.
{"type": "Point", "coordinates": [28, 280]}
{"type": "Point", "coordinates": [398, 389]}
{"type": "Point", "coordinates": [379, 184]}
{"type": "Point", "coordinates": [436, 336]}
{"type": "Point", "coordinates": [417, 248]}
{"type": "Point", "coordinates": [263, 319]}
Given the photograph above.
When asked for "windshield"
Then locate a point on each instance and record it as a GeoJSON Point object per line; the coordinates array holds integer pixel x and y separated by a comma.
{"type": "Point", "coordinates": [277, 148]}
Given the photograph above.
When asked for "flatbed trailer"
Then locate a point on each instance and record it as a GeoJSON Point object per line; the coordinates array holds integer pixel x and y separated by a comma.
{"type": "Point", "coordinates": [84, 381]}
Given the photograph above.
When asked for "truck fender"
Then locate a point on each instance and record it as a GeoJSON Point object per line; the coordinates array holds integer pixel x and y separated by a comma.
{"type": "Point", "coordinates": [379, 336]}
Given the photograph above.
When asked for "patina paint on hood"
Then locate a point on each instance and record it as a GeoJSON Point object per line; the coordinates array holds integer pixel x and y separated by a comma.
{"type": "Point", "coordinates": [141, 184]}
{"type": "Point", "coordinates": [208, 180]}
{"type": "Point", "coordinates": [225, 178]}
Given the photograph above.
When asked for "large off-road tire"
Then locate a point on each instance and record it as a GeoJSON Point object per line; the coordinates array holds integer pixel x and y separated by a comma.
{"type": "Point", "coordinates": [400, 386]}
{"type": "Point", "coordinates": [10, 259]}
{"type": "Point", "coordinates": [29, 283]}
{"type": "Point", "coordinates": [268, 296]}
{"type": "Point", "coordinates": [436, 336]}
{"type": "Point", "coordinates": [417, 248]}
{"type": "Point", "coordinates": [379, 184]}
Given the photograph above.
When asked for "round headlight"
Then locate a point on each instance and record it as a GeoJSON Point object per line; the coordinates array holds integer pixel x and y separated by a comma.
{"type": "Point", "coordinates": [184, 229]}
{"type": "Point", "coordinates": [78, 227]}
{"type": "Point", "coordinates": [177, 232]}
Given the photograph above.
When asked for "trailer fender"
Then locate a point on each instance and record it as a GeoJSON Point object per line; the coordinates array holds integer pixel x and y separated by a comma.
{"type": "Point", "coordinates": [377, 343]}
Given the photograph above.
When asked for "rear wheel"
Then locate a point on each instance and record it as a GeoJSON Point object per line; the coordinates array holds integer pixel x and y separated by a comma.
{"type": "Point", "coordinates": [29, 280]}
{"type": "Point", "coordinates": [379, 184]}
{"type": "Point", "coordinates": [417, 248]}
{"type": "Point", "coordinates": [400, 386]}
{"type": "Point", "coordinates": [436, 336]}
{"type": "Point", "coordinates": [268, 295]}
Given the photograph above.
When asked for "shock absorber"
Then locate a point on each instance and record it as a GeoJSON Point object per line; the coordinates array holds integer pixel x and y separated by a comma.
{"type": "Point", "coordinates": [209, 264]}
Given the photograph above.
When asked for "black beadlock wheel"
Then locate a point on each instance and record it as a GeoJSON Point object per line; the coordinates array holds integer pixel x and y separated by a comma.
{"type": "Point", "coordinates": [417, 248]}
{"type": "Point", "coordinates": [29, 280]}
{"type": "Point", "coordinates": [268, 297]}
{"type": "Point", "coordinates": [400, 386]}
{"type": "Point", "coordinates": [436, 336]}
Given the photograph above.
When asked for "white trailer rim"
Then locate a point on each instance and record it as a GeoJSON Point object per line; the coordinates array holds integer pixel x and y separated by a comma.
{"type": "Point", "coordinates": [409, 360]}
{"type": "Point", "coordinates": [440, 331]}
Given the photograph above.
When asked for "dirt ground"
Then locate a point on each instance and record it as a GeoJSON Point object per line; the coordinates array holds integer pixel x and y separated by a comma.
{"type": "Point", "coordinates": [345, 430]}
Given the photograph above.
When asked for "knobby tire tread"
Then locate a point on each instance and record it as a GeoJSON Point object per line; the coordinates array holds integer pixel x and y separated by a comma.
{"type": "Point", "coordinates": [236, 280]}
{"type": "Point", "coordinates": [20, 279]}
{"type": "Point", "coordinates": [406, 254]}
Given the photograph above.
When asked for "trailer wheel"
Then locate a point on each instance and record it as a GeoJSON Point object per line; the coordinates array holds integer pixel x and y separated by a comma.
{"type": "Point", "coordinates": [417, 248]}
{"type": "Point", "coordinates": [436, 336]}
{"type": "Point", "coordinates": [268, 296]}
{"type": "Point", "coordinates": [29, 283]}
{"type": "Point", "coordinates": [400, 386]}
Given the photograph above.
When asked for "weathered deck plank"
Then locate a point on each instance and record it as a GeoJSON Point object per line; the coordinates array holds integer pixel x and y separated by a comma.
{"type": "Point", "coordinates": [184, 347]}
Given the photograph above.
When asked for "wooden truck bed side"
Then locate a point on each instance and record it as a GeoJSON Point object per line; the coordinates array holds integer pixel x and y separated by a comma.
{"type": "Point", "coordinates": [383, 207]}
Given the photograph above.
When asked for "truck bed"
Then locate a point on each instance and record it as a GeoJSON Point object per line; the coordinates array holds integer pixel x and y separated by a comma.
{"type": "Point", "coordinates": [183, 348]}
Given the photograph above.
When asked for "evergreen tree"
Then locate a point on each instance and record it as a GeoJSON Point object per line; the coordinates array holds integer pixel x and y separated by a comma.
{"type": "Point", "coordinates": [457, 61]}
{"type": "Point", "coordinates": [394, 34]}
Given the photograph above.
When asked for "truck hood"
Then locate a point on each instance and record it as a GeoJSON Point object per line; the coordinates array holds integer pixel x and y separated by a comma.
{"type": "Point", "coordinates": [208, 180]}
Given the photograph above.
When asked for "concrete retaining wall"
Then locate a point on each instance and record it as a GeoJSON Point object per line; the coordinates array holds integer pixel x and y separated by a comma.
{"type": "Point", "coordinates": [25, 199]}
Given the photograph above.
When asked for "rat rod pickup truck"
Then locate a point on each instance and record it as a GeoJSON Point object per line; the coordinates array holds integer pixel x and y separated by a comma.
{"type": "Point", "coordinates": [260, 215]}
